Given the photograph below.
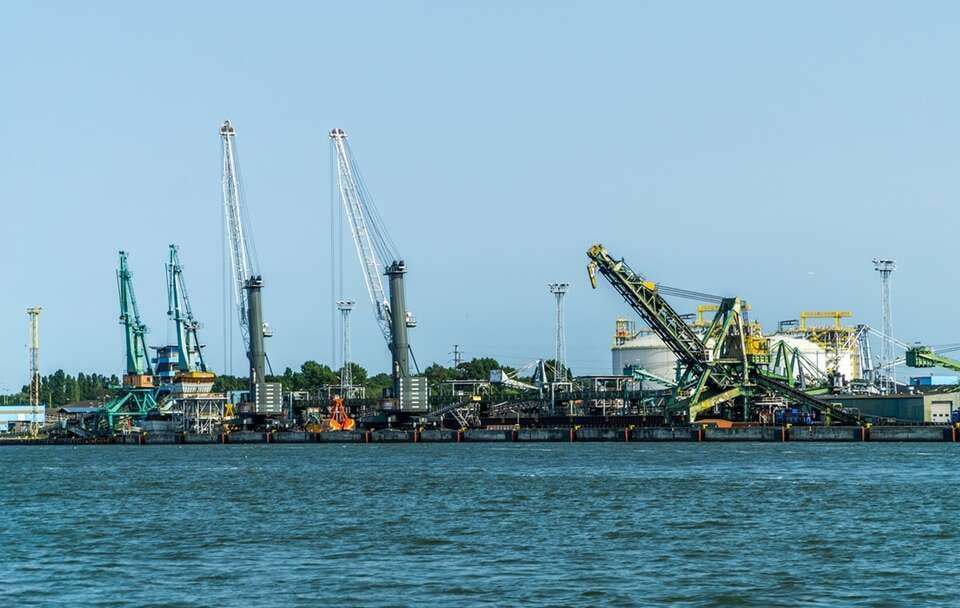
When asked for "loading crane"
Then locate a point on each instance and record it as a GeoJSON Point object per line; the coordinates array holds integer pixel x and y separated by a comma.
{"type": "Point", "coordinates": [724, 367]}
{"type": "Point", "coordinates": [190, 361]}
{"type": "Point", "coordinates": [136, 394]}
{"type": "Point", "coordinates": [924, 356]}
{"type": "Point", "coordinates": [247, 280]}
{"type": "Point", "coordinates": [379, 256]}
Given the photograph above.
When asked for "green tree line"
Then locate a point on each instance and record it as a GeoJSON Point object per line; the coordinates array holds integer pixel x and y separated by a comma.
{"type": "Point", "coordinates": [59, 388]}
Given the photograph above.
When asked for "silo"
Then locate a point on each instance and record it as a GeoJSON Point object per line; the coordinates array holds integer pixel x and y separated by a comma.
{"type": "Point", "coordinates": [646, 350]}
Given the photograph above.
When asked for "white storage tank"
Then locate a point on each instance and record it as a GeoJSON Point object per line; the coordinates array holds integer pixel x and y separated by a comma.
{"type": "Point", "coordinates": [645, 350]}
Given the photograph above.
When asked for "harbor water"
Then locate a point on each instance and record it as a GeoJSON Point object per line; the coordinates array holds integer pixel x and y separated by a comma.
{"type": "Point", "coordinates": [592, 524]}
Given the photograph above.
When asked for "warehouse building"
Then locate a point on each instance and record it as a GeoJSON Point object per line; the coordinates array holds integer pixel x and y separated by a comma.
{"type": "Point", "coordinates": [17, 417]}
{"type": "Point", "coordinates": [928, 406]}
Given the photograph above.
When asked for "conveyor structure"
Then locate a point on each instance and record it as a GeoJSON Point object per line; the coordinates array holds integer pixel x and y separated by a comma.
{"type": "Point", "coordinates": [725, 368]}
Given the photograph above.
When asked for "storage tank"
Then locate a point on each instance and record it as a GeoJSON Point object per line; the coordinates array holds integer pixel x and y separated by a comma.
{"type": "Point", "coordinates": [645, 349]}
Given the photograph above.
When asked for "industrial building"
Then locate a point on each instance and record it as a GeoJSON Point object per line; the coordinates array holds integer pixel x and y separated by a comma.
{"type": "Point", "coordinates": [935, 406]}
{"type": "Point", "coordinates": [17, 418]}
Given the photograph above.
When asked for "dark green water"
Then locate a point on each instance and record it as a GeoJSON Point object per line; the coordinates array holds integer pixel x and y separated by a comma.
{"type": "Point", "coordinates": [457, 525]}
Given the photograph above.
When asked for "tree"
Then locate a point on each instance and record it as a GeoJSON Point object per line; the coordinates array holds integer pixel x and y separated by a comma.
{"type": "Point", "coordinates": [358, 373]}
{"type": "Point", "coordinates": [478, 368]}
{"type": "Point", "coordinates": [438, 374]}
{"type": "Point", "coordinates": [316, 375]}
{"type": "Point", "coordinates": [377, 384]}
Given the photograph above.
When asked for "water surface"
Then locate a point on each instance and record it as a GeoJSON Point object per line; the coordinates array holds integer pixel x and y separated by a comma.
{"type": "Point", "coordinates": [759, 524]}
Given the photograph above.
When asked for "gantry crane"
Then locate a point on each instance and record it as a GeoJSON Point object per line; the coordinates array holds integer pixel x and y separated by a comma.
{"type": "Point", "coordinates": [136, 394]}
{"type": "Point", "coordinates": [189, 349]}
{"type": "Point", "coordinates": [247, 281]}
{"type": "Point", "coordinates": [378, 256]}
{"type": "Point", "coordinates": [723, 367]}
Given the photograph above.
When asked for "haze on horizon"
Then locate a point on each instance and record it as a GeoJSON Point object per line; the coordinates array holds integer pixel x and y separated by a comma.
{"type": "Point", "coordinates": [758, 149]}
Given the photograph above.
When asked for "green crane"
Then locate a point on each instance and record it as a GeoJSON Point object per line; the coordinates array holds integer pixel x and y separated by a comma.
{"type": "Point", "coordinates": [725, 367]}
{"type": "Point", "coordinates": [136, 397]}
{"type": "Point", "coordinates": [923, 356]}
{"type": "Point", "coordinates": [134, 330]}
{"type": "Point", "coordinates": [189, 349]}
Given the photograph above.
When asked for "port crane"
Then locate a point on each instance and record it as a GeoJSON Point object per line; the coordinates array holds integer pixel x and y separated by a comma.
{"type": "Point", "coordinates": [189, 349]}
{"type": "Point", "coordinates": [722, 368]}
{"type": "Point", "coordinates": [247, 280]}
{"type": "Point", "coordinates": [378, 256]}
{"type": "Point", "coordinates": [924, 356]}
{"type": "Point", "coordinates": [136, 394]}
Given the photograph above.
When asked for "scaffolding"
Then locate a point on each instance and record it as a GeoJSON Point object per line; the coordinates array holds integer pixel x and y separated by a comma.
{"type": "Point", "coordinates": [201, 413]}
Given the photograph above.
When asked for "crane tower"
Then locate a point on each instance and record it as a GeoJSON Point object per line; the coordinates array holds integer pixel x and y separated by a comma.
{"type": "Point", "coordinates": [559, 290]}
{"type": "Point", "coordinates": [886, 268]}
{"type": "Point", "coordinates": [33, 314]}
{"type": "Point", "coordinates": [139, 372]}
{"type": "Point", "coordinates": [136, 396]}
{"type": "Point", "coordinates": [247, 281]}
{"type": "Point", "coordinates": [346, 372]}
{"type": "Point", "coordinates": [378, 256]}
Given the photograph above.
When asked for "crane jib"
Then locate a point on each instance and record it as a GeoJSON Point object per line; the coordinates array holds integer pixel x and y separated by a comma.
{"type": "Point", "coordinates": [643, 297]}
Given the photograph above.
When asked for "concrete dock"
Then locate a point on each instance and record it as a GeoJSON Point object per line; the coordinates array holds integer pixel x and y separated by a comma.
{"type": "Point", "coordinates": [926, 433]}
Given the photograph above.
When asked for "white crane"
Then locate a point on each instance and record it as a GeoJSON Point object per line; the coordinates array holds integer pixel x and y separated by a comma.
{"type": "Point", "coordinates": [243, 265]}
{"type": "Point", "coordinates": [378, 256]}
{"type": "Point", "coordinates": [373, 244]}
{"type": "Point", "coordinates": [247, 282]}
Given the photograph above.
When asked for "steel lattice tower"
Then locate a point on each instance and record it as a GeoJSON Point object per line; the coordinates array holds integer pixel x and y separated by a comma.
{"type": "Point", "coordinates": [34, 316]}
{"type": "Point", "coordinates": [885, 268]}
{"type": "Point", "coordinates": [559, 290]}
{"type": "Point", "coordinates": [346, 372]}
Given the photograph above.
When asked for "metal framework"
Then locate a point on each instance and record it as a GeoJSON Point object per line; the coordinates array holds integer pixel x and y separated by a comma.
{"type": "Point", "coordinates": [924, 356]}
{"type": "Point", "coordinates": [136, 398]}
{"type": "Point", "coordinates": [190, 353]}
{"type": "Point", "coordinates": [242, 264]}
{"type": "Point", "coordinates": [369, 239]}
{"type": "Point", "coordinates": [346, 372]}
{"type": "Point", "coordinates": [726, 367]}
{"type": "Point", "coordinates": [202, 413]}
{"type": "Point", "coordinates": [247, 281]}
{"type": "Point", "coordinates": [134, 330]}
{"type": "Point", "coordinates": [559, 290]}
{"type": "Point", "coordinates": [378, 256]}
{"type": "Point", "coordinates": [33, 314]}
{"type": "Point", "coordinates": [886, 267]}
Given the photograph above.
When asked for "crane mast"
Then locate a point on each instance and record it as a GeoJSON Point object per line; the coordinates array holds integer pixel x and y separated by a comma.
{"type": "Point", "coordinates": [139, 372]}
{"type": "Point", "coordinates": [240, 261]}
{"type": "Point", "coordinates": [189, 349]}
{"type": "Point", "coordinates": [247, 282]}
{"type": "Point", "coordinates": [378, 257]}
{"type": "Point", "coordinates": [348, 187]}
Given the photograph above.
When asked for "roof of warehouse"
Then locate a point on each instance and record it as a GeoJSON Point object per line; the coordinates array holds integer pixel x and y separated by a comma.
{"type": "Point", "coordinates": [79, 409]}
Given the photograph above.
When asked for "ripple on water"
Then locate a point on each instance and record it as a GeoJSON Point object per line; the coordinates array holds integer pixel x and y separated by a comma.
{"type": "Point", "coordinates": [468, 524]}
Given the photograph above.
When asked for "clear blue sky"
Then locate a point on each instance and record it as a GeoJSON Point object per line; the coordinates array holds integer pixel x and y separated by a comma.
{"type": "Point", "coordinates": [753, 148]}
